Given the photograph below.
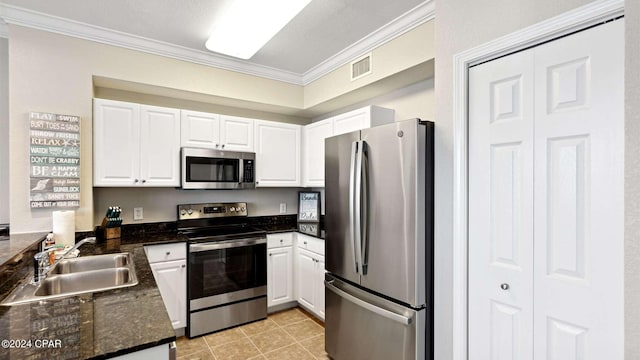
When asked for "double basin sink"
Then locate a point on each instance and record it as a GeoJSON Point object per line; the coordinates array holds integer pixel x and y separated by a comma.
{"type": "Point", "coordinates": [76, 276]}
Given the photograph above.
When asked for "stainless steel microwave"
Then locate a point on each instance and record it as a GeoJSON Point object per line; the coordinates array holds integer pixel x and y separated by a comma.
{"type": "Point", "coordinates": [217, 169]}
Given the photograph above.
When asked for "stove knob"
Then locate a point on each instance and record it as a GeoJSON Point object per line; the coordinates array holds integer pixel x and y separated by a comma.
{"type": "Point", "coordinates": [190, 211]}
{"type": "Point", "coordinates": [242, 209]}
{"type": "Point", "coordinates": [232, 209]}
{"type": "Point", "coordinates": [183, 212]}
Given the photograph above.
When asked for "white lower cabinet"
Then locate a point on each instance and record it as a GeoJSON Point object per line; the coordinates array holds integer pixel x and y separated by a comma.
{"type": "Point", "coordinates": [295, 272]}
{"type": "Point", "coordinates": [169, 266]}
{"type": "Point", "coordinates": [310, 273]}
{"type": "Point", "coordinates": [279, 269]}
{"type": "Point", "coordinates": [160, 352]}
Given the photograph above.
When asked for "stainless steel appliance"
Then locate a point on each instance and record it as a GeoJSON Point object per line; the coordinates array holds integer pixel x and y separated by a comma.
{"type": "Point", "coordinates": [217, 169]}
{"type": "Point", "coordinates": [379, 243]}
{"type": "Point", "coordinates": [227, 267]}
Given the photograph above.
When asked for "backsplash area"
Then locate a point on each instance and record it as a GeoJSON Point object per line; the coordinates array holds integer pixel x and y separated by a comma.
{"type": "Point", "coordinates": [159, 204]}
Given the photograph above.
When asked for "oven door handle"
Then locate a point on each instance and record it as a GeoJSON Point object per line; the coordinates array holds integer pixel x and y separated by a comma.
{"type": "Point", "coordinates": [226, 244]}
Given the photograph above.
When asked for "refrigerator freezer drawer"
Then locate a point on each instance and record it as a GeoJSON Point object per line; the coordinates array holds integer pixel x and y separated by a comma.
{"type": "Point", "coordinates": [360, 325]}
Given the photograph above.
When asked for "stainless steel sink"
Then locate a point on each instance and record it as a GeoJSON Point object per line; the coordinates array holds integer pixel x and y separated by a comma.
{"type": "Point", "coordinates": [88, 263]}
{"type": "Point", "coordinates": [78, 276]}
{"type": "Point", "coordinates": [86, 281]}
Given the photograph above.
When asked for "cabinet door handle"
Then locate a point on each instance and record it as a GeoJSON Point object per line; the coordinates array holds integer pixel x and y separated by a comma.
{"type": "Point", "coordinates": [223, 146]}
{"type": "Point", "coordinates": [183, 266]}
{"type": "Point", "coordinates": [144, 181]}
{"type": "Point", "coordinates": [270, 254]}
{"type": "Point", "coordinates": [168, 253]}
{"type": "Point", "coordinates": [504, 286]}
{"type": "Point", "coordinates": [217, 145]}
{"type": "Point", "coordinates": [135, 181]}
{"type": "Point", "coordinates": [305, 243]}
{"type": "Point", "coordinates": [281, 240]}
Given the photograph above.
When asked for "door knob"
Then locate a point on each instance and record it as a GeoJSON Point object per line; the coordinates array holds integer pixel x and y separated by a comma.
{"type": "Point", "coordinates": [504, 286]}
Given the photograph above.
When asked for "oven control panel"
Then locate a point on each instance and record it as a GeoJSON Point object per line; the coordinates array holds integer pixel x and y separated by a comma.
{"type": "Point", "coordinates": [213, 210]}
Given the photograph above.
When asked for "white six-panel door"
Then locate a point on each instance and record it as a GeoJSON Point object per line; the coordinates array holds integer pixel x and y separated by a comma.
{"type": "Point", "coordinates": [546, 153]}
{"type": "Point", "coordinates": [501, 208]}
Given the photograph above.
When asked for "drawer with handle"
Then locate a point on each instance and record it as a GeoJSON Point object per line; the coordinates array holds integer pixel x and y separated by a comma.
{"type": "Point", "coordinates": [310, 243]}
{"type": "Point", "coordinates": [166, 252]}
{"type": "Point", "coordinates": [279, 240]}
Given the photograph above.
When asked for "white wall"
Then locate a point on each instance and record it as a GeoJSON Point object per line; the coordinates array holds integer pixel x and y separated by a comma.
{"type": "Point", "coordinates": [413, 101]}
{"type": "Point", "coordinates": [632, 180]}
{"type": "Point", "coordinates": [4, 133]}
{"type": "Point", "coordinates": [159, 204]}
{"type": "Point", "coordinates": [463, 24]}
{"type": "Point", "coordinates": [54, 73]}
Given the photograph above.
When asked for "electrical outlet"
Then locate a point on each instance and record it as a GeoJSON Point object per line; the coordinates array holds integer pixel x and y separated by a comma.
{"type": "Point", "coordinates": [283, 208]}
{"type": "Point", "coordinates": [138, 214]}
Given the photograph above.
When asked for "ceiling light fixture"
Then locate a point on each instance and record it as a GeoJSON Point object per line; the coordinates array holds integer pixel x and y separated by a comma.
{"type": "Point", "coordinates": [248, 24]}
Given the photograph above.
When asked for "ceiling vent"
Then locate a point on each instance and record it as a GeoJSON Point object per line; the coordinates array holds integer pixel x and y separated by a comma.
{"type": "Point", "coordinates": [361, 67]}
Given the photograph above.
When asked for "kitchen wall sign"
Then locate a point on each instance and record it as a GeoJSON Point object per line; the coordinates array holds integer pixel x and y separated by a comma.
{"type": "Point", "coordinates": [54, 160]}
{"type": "Point", "coordinates": [308, 206]}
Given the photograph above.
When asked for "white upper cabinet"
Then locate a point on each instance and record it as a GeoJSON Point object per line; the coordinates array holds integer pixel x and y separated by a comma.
{"type": "Point", "coordinates": [116, 143]}
{"type": "Point", "coordinates": [278, 148]}
{"type": "Point", "coordinates": [199, 129]}
{"type": "Point", "coordinates": [159, 146]}
{"type": "Point", "coordinates": [213, 131]}
{"type": "Point", "coordinates": [315, 133]}
{"type": "Point", "coordinates": [313, 154]}
{"type": "Point", "coordinates": [236, 133]}
{"type": "Point", "coordinates": [135, 145]}
{"type": "Point", "coordinates": [362, 118]}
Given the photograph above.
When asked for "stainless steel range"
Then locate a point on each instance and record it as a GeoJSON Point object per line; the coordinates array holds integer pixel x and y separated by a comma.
{"type": "Point", "coordinates": [227, 269]}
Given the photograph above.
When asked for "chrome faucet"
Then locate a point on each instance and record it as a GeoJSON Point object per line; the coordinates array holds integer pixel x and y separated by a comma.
{"type": "Point", "coordinates": [42, 265]}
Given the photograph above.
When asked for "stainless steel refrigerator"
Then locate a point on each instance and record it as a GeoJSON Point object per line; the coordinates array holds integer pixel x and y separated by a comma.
{"type": "Point", "coordinates": [379, 243]}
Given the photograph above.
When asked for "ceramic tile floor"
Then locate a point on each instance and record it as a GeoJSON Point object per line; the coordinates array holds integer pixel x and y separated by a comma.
{"type": "Point", "coordinates": [287, 335]}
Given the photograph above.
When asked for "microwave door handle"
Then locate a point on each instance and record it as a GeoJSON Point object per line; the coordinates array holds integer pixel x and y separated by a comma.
{"type": "Point", "coordinates": [352, 184]}
{"type": "Point", "coordinates": [358, 207]}
{"type": "Point", "coordinates": [240, 171]}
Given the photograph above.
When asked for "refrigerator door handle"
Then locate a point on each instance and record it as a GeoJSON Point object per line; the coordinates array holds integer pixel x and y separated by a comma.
{"type": "Point", "coordinates": [358, 206]}
{"type": "Point", "coordinates": [377, 310]}
{"type": "Point", "coordinates": [364, 216]}
{"type": "Point", "coordinates": [352, 190]}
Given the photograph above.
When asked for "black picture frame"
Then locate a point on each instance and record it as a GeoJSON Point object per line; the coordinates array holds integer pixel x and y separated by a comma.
{"type": "Point", "coordinates": [308, 206]}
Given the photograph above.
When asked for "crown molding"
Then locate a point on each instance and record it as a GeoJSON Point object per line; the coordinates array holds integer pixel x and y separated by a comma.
{"type": "Point", "coordinates": [32, 19]}
{"type": "Point", "coordinates": [417, 16]}
{"type": "Point", "coordinates": [36, 20]}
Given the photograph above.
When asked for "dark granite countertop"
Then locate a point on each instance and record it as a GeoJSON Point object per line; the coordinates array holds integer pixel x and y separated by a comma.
{"type": "Point", "coordinates": [311, 229]}
{"type": "Point", "coordinates": [95, 325]}
{"type": "Point", "coordinates": [104, 324]}
{"type": "Point", "coordinates": [11, 245]}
